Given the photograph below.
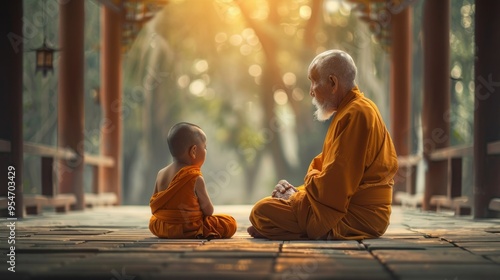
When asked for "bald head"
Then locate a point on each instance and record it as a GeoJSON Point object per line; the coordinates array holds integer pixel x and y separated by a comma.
{"type": "Point", "coordinates": [337, 63]}
{"type": "Point", "coordinates": [182, 136]}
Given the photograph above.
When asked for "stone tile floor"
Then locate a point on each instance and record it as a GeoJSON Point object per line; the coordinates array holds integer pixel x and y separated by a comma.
{"type": "Point", "coordinates": [114, 243]}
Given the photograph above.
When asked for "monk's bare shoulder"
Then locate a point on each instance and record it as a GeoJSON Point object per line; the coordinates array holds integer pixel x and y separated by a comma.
{"type": "Point", "coordinates": [165, 176]}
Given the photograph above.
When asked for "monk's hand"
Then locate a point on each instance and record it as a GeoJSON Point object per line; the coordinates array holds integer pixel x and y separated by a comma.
{"type": "Point", "coordinates": [283, 190]}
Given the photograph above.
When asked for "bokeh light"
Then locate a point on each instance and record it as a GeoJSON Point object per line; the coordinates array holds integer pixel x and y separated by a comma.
{"type": "Point", "coordinates": [289, 79]}
{"type": "Point", "coordinates": [255, 70]}
{"type": "Point", "coordinates": [280, 97]}
{"type": "Point", "coordinates": [197, 87]}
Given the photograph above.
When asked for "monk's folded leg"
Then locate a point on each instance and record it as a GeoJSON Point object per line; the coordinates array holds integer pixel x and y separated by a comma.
{"type": "Point", "coordinates": [219, 226]}
{"type": "Point", "coordinates": [274, 219]}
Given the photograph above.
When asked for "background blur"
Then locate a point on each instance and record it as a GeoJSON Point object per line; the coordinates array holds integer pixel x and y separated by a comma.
{"type": "Point", "coordinates": [214, 63]}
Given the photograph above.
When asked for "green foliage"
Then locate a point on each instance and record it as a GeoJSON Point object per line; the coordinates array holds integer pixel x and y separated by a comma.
{"type": "Point", "coordinates": [462, 71]}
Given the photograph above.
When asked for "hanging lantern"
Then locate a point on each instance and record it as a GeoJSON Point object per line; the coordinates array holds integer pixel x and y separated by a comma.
{"type": "Point", "coordinates": [44, 57]}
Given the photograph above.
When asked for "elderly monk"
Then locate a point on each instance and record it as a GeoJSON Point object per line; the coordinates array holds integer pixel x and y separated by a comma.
{"type": "Point", "coordinates": [347, 191]}
{"type": "Point", "coordinates": [180, 203]}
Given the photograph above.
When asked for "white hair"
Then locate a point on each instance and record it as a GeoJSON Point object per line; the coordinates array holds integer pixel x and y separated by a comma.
{"type": "Point", "coordinates": [337, 63]}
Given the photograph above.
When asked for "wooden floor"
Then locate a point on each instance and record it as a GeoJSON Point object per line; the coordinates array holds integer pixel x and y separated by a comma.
{"type": "Point", "coordinates": [115, 243]}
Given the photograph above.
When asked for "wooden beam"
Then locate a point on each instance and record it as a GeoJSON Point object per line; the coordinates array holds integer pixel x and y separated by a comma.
{"type": "Point", "coordinates": [4, 146]}
{"type": "Point", "coordinates": [409, 160]}
{"type": "Point", "coordinates": [494, 148]}
{"type": "Point", "coordinates": [11, 99]}
{"type": "Point", "coordinates": [400, 91]}
{"type": "Point", "coordinates": [436, 100]}
{"type": "Point", "coordinates": [452, 152]}
{"type": "Point", "coordinates": [111, 92]}
{"type": "Point", "coordinates": [494, 204]}
{"type": "Point", "coordinates": [71, 97]}
{"type": "Point", "coordinates": [455, 177]}
{"type": "Point", "coordinates": [99, 160]}
{"type": "Point", "coordinates": [486, 104]}
{"type": "Point", "coordinates": [49, 151]}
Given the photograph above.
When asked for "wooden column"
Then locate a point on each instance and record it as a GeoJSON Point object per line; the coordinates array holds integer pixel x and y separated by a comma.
{"type": "Point", "coordinates": [111, 96]}
{"type": "Point", "coordinates": [436, 102]}
{"type": "Point", "coordinates": [487, 105]}
{"type": "Point", "coordinates": [401, 70]}
{"type": "Point", "coordinates": [11, 99]}
{"type": "Point", "coordinates": [71, 102]}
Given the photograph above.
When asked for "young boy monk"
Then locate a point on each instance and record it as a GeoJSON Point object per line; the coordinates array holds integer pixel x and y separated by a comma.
{"type": "Point", "coordinates": [180, 203]}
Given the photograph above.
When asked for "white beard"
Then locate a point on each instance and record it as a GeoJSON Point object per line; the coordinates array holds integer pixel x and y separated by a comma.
{"type": "Point", "coordinates": [323, 111]}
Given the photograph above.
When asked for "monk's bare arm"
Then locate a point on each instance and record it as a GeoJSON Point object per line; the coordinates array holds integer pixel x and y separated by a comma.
{"type": "Point", "coordinates": [201, 191]}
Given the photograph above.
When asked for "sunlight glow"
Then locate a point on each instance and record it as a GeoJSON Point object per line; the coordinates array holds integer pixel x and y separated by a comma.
{"type": "Point", "coordinates": [221, 37]}
{"type": "Point", "coordinates": [321, 37]}
{"type": "Point", "coordinates": [305, 12]}
{"type": "Point", "coordinates": [255, 70]}
{"type": "Point", "coordinates": [349, 37]}
{"type": "Point", "coordinates": [247, 32]}
{"type": "Point", "coordinates": [466, 21]}
{"type": "Point", "coordinates": [283, 11]}
{"type": "Point", "coordinates": [261, 13]}
{"type": "Point", "coordinates": [466, 12]}
{"type": "Point", "coordinates": [289, 79]}
{"type": "Point", "coordinates": [183, 81]}
{"type": "Point", "coordinates": [471, 87]}
{"type": "Point", "coordinates": [152, 40]}
{"type": "Point", "coordinates": [245, 49]}
{"type": "Point", "coordinates": [250, 37]}
{"type": "Point", "coordinates": [342, 21]}
{"type": "Point", "coordinates": [252, 40]}
{"type": "Point", "coordinates": [345, 9]}
{"type": "Point", "coordinates": [197, 87]}
{"type": "Point", "coordinates": [233, 12]}
{"type": "Point", "coordinates": [201, 66]}
{"type": "Point", "coordinates": [297, 94]}
{"type": "Point", "coordinates": [209, 94]}
{"type": "Point", "coordinates": [332, 6]}
{"type": "Point", "coordinates": [258, 80]}
{"type": "Point", "coordinates": [235, 40]}
{"type": "Point", "coordinates": [459, 87]}
{"type": "Point", "coordinates": [456, 71]}
{"type": "Point", "coordinates": [289, 29]}
{"type": "Point", "coordinates": [280, 97]}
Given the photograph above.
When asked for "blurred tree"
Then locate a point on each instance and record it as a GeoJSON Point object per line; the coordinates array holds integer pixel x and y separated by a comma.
{"type": "Point", "coordinates": [238, 69]}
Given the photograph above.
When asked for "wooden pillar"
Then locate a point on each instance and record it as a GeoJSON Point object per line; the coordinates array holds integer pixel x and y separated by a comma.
{"type": "Point", "coordinates": [11, 100]}
{"type": "Point", "coordinates": [436, 101]}
{"type": "Point", "coordinates": [487, 104]}
{"type": "Point", "coordinates": [401, 70]}
{"type": "Point", "coordinates": [71, 102]}
{"type": "Point", "coordinates": [111, 96]}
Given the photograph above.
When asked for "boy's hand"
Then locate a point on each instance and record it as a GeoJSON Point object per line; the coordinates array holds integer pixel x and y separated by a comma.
{"type": "Point", "coordinates": [283, 190]}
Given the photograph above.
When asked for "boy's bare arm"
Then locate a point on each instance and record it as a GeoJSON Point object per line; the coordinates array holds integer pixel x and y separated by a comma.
{"type": "Point", "coordinates": [201, 191]}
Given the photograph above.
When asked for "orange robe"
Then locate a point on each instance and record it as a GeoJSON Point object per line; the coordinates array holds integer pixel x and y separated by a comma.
{"type": "Point", "coordinates": [177, 213]}
{"type": "Point", "coordinates": [347, 192]}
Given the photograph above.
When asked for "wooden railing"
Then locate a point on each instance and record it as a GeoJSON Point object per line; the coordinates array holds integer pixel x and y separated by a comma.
{"type": "Point", "coordinates": [49, 193]}
{"type": "Point", "coordinates": [453, 199]}
{"type": "Point", "coordinates": [494, 149]}
{"type": "Point", "coordinates": [409, 197]}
